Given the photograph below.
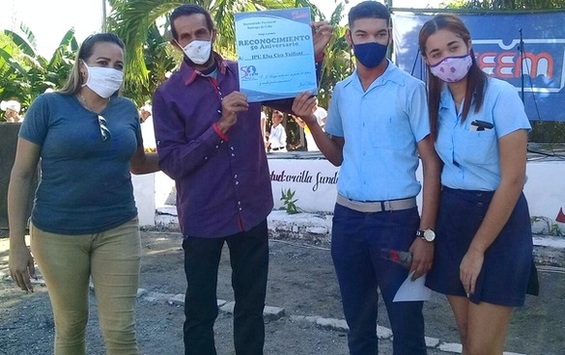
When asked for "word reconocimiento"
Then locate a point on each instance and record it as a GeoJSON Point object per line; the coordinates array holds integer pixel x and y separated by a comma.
{"type": "Point", "coordinates": [273, 40]}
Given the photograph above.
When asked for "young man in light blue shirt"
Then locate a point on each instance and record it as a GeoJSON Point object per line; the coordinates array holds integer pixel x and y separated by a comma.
{"type": "Point", "coordinates": [377, 129]}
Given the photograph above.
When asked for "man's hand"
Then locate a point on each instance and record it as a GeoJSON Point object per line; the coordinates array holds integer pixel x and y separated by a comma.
{"type": "Point", "coordinates": [232, 104]}
{"type": "Point", "coordinates": [322, 34]}
{"type": "Point", "coordinates": [303, 105]}
{"type": "Point", "coordinates": [422, 257]}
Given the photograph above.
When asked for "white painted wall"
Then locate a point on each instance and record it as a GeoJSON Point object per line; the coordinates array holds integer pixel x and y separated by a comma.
{"type": "Point", "coordinates": [545, 188]}
{"type": "Point", "coordinates": [314, 182]}
{"type": "Point", "coordinates": [144, 194]}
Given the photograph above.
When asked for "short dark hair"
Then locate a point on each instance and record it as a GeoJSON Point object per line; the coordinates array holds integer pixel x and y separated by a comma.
{"type": "Point", "coordinates": [187, 10]}
{"type": "Point", "coordinates": [368, 9]}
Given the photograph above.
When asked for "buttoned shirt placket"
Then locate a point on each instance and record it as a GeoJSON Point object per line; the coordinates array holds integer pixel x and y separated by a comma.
{"type": "Point", "coordinates": [232, 154]}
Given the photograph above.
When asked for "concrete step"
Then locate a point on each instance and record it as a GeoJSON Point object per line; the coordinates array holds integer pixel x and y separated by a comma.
{"type": "Point", "coordinates": [315, 228]}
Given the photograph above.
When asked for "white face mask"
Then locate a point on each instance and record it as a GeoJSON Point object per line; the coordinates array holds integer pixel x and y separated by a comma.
{"type": "Point", "coordinates": [198, 51]}
{"type": "Point", "coordinates": [104, 81]}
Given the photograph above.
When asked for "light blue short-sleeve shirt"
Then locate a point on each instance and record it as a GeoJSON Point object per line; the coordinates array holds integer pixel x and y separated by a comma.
{"type": "Point", "coordinates": [470, 156]}
{"type": "Point", "coordinates": [381, 127]}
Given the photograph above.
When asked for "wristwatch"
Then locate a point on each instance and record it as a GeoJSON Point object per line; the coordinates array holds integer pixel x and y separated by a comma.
{"type": "Point", "coordinates": [427, 234]}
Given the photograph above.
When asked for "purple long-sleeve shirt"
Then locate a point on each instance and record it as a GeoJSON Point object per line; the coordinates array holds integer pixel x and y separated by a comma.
{"type": "Point", "coordinates": [223, 183]}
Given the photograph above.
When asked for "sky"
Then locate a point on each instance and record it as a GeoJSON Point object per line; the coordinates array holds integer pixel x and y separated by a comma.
{"type": "Point", "coordinates": [49, 20]}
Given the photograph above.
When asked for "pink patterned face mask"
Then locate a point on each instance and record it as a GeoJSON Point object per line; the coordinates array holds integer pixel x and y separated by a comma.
{"type": "Point", "coordinates": [452, 69]}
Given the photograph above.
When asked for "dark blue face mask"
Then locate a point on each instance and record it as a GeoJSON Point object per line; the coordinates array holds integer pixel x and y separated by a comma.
{"type": "Point", "coordinates": [370, 54]}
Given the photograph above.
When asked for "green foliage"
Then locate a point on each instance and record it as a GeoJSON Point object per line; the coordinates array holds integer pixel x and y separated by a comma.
{"type": "Point", "coordinates": [293, 138]}
{"type": "Point", "coordinates": [24, 74]}
{"type": "Point", "coordinates": [135, 22]}
{"type": "Point", "coordinates": [547, 132]}
{"type": "Point", "coordinates": [143, 26]}
{"type": "Point", "coordinates": [552, 229]}
{"type": "Point", "coordinates": [506, 4]}
{"type": "Point", "coordinates": [289, 203]}
{"type": "Point", "coordinates": [338, 62]}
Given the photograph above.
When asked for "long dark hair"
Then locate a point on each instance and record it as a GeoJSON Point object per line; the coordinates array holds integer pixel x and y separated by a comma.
{"type": "Point", "coordinates": [476, 78]}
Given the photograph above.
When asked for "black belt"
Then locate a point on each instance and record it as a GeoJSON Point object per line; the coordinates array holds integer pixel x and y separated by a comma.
{"type": "Point", "coordinates": [279, 148]}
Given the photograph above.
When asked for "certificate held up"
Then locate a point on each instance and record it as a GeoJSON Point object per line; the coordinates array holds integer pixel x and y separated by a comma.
{"type": "Point", "coordinates": [275, 54]}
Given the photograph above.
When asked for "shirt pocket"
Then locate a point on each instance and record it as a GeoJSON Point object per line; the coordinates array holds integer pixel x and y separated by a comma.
{"type": "Point", "coordinates": [478, 147]}
{"type": "Point", "coordinates": [387, 133]}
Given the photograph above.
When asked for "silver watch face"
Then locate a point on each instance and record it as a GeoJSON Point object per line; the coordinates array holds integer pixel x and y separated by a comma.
{"type": "Point", "coordinates": [429, 235]}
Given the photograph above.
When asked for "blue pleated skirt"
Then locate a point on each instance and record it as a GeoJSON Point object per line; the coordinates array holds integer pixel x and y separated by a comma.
{"type": "Point", "coordinates": [503, 279]}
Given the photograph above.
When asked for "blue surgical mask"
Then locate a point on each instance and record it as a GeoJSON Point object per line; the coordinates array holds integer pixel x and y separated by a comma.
{"type": "Point", "coordinates": [370, 54]}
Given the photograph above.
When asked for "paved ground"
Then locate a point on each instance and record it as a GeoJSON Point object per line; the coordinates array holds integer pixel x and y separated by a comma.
{"type": "Point", "coordinates": [301, 282]}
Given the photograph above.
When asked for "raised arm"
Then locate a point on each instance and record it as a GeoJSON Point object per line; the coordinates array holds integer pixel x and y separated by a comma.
{"type": "Point", "coordinates": [321, 35]}
{"type": "Point", "coordinates": [179, 157]}
{"type": "Point", "coordinates": [331, 147]}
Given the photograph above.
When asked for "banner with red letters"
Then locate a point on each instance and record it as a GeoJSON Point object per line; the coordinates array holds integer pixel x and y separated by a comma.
{"type": "Point", "coordinates": [503, 44]}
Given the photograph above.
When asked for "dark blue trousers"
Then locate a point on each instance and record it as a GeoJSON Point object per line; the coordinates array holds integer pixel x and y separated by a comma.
{"type": "Point", "coordinates": [357, 241]}
{"type": "Point", "coordinates": [249, 257]}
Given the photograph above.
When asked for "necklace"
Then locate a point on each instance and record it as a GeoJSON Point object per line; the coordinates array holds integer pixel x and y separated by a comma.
{"type": "Point", "coordinates": [85, 104]}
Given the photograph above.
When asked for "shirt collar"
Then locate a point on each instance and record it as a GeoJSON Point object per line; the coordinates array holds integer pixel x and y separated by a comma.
{"type": "Point", "coordinates": [191, 74]}
{"type": "Point", "coordinates": [445, 100]}
{"type": "Point", "coordinates": [391, 73]}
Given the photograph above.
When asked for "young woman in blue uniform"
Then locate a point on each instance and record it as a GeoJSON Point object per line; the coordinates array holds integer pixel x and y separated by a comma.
{"type": "Point", "coordinates": [483, 242]}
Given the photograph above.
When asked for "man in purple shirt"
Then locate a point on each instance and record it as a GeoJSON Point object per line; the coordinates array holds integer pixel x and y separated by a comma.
{"type": "Point", "coordinates": [209, 141]}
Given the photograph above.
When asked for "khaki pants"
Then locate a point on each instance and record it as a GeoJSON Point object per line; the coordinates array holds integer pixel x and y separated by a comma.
{"type": "Point", "coordinates": [112, 259]}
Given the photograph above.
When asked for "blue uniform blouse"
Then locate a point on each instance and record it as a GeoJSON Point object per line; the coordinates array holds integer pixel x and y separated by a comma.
{"type": "Point", "coordinates": [470, 155]}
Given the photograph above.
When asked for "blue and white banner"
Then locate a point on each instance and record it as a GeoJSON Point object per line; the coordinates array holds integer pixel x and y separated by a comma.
{"type": "Point", "coordinates": [496, 42]}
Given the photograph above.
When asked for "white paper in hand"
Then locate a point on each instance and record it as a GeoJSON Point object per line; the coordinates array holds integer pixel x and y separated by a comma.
{"type": "Point", "coordinates": [413, 290]}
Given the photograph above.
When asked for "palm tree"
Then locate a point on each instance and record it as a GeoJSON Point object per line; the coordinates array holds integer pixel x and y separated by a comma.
{"type": "Point", "coordinates": [338, 62]}
{"type": "Point", "coordinates": [136, 20]}
{"type": "Point", "coordinates": [24, 74]}
{"type": "Point", "coordinates": [506, 4]}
